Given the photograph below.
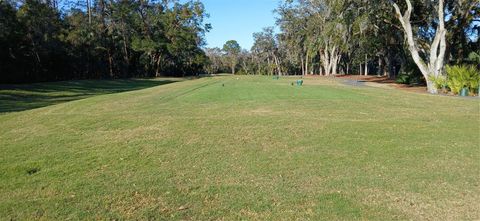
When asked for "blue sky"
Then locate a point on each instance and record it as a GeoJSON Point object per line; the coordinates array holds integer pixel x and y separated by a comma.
{"type": "Point", "coordinates": [238, 20]}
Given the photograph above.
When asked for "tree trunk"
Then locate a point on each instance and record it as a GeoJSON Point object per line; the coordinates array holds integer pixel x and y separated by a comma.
{"type": "Point", "coordinates": [389, 66]}
{"type": "Point", "coordinates": [432, 68]}
{"type": "Point", "coordinates": [269, 65]}
{"type": "Point", "coordinates": [157, 65]}
{"type": "Point", "coordinates": [306, 64]}
{"type": "Point", "coordinates": [326, 62]}
{"type": "Point", "coordinates": [366, 65]}
{"type": "Point", "coordinates": [89, 11]}
{"type": "Point", "coordinates": [104, 35]}
{"type": "Point", "coordinates": [126, 57]}
{"type": "Point", "coordinates": [277, 64]}
{"type": "Point", "coordinates": [330, 58]}
{"type": "Point", "coordinates": [380, 66]}
{"type": "Point", "coordinates": [34, 50]}
{"type": "Point", "coordinates": [303, 65]}
{"type": "Point", "coordinates": [336, 59]}
{"type": "Point", "coordinates": [110, 64]}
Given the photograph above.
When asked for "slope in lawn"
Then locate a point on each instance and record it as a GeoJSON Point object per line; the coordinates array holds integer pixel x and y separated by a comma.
{"type": "Point", "coordinates": [252, 148]}
{"type": "Point", "coordinates": [20, 97]}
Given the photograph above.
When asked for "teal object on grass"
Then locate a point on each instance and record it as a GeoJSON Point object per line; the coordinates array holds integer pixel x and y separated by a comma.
{"type": "Point", "coordinates": [464, 92]}
{"type": "Point", "coordinates": [299, 82]}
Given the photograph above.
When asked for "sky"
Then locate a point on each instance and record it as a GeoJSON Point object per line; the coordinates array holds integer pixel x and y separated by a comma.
{"type": "Point", "coordinates": [238, 20]}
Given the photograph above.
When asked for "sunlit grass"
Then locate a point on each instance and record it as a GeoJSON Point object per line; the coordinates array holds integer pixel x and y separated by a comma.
{"type": "Point", "coordinates": [233, 148]}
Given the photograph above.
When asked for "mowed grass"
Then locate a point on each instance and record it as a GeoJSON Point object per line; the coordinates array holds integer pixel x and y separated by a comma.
{"type": "Point", "coordinates": [253, 149]}
{"type": "Point", "coordinates": [18, 97]}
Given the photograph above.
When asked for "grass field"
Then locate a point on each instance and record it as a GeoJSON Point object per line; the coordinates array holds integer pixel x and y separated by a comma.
{"type": "Point", "coordinates": [28, 96]}
{"type": "Point", "coordinates": [253, 149]}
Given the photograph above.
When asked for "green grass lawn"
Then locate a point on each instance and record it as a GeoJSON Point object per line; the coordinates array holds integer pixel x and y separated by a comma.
{"type": "Point", "coordinates": [253, 149]}
{"type": "Point", "coordinates": [20, 97]}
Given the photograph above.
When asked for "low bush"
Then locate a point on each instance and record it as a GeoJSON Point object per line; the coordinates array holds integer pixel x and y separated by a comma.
{"type": "Point", "coordinates": [440, 81]}
{"type": "Point", "coordinates": [462, 76]}
{"type": "Point", "coordinates": [403, 79]}
{"type": "Point", "coordinates": [410, 79]}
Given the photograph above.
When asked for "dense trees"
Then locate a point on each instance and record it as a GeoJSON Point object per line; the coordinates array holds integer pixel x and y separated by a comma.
{"type": "Point", "coordinates": [232, 50]}
{"type": "Point", "coordinates": [368, 37]}
{"type": "Point", "coordinates": [265, 52]}
{"type": "Point", "coordinates": [461, 25]}
{"type": "Point", "coordinates": [100, 39]}
{"type": "Point", "coordinates": [64, 39]}
{"type": "Point", "coordinates": [31, 42]}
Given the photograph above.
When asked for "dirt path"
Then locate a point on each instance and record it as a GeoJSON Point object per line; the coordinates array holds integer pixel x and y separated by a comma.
{"type": "Point", "coordinates": [383, 82]}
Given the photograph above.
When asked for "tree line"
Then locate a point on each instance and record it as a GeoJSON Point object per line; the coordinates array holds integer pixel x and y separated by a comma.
{"type": "Point", "coordinates": [45, 40]}
{"type": "Point", "coordinates": [406, 39]}
{"type": "Point", "coordinates": [411, 40]}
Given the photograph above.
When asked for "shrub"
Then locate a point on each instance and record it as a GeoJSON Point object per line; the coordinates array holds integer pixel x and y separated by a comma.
{"type": "Point", "coordinates": [440, 81]}
{"type": "Point", "coordinates": [474, 57]}
{"type": "Point", "coordinates": [410, 79]}
{"type": "Point", "coordinates": [462, 76]}
{"type": "Point", "coordinates": [403, 79]}
{"type": "Point", "coordinates": [417, 80]}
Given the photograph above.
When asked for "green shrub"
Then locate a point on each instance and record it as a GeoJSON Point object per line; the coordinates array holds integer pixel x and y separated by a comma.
{"type": "Point", "coordinates": [408, 78]}
{"type": "Point", "coordinates": [403, 79]}
{"type": "Point", "coordinates": [462, 76]}
{"type": "Point", "coordinates": [440, 81]}
{"type": "Point", "coordinates": [474, 57]}
{"type": "Point", "coordinates": [410, 74]}
{"type": "Point", "coordinates": [416, 80]}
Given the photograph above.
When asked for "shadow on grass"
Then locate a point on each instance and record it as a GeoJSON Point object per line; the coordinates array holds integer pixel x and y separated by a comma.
{"type": "Point", "coordinates": [20, 97]}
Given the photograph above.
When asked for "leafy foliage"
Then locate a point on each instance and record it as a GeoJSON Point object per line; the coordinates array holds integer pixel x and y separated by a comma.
{"type": "Point", "coordinates": [474, 57]}
{"type": "Point", "coordinates": [440, 81]}
{"type": "Point", "coordinates": [462, 77]}
{"type": "Point", "coordinates": [232, 50]}
{"type": "Point", "coordinates": [100, 39]}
